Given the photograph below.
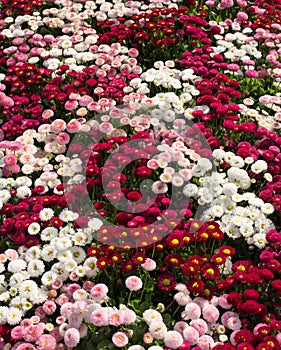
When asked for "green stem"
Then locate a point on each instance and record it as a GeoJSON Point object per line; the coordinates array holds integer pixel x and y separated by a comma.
{"type": "Point", "coordinates": [173, 315]}
{"type": "Point", "coordinates": [143, 287]}
{"type": "Point", "coordinates": [171, 303]}
{"type": "Point", "coordinates": [129, 297]}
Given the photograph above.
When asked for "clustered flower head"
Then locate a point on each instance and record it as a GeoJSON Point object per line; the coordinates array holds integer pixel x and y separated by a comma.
{"type": "Point", "coordinates": [140, 188]}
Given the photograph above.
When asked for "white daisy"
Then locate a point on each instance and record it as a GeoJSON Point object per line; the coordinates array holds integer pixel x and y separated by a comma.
{"type": "Point", "coordinates": [4, 196]}
{"type": "Point", "coordinates": [4, 312]}
{"type": "Point", "coordinates": [90, 267]}
{"type": "Point", "coordinates": [46, 214]}
{"type": "Point", "coordinates": [95, 224]}
{"type": "Point", "coordinates": [267, 208]}
{"type": "Point", "coordinates": [48, 278]}
{"type": "Point", "coordinates": [260, 240]}
{"type": "Point", "coordinates": [35, 268]}
{"type": "Point", "coordinates": [78, 254]}
{"type": "Point", "coordinates": [14, 316]}
{"type": "Point", "coordinates": [49, 233]}
{"type": "Point", "coordinates": [34, 228]}
{"type": "Point", "coordinates": [63, 243]}
{"type": "Point", "coordinates": [48, 253]}
{"type": "Point", "coordinates": [27, 287]}
{"type": "Point", "coordinates": [33, 253]}
{"type": "Point", "coordinates": [16, 265]}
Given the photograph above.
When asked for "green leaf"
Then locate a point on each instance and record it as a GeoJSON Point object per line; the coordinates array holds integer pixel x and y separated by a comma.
{"type": "Point", "coordinates": [98, 337]}
{"type": "Point", "coordinates": [104, 345]}
{"type": "Point", "coordinates": [167, 319]}
{"type": "Point", "coordinates": [144, 306]}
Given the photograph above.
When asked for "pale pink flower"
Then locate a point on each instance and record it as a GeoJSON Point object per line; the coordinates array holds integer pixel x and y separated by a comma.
{"type": "Point", "coordinates": [180, 326]}
{"type": "Point", "coordinates": [225, 4]}
{"type": "Point", "coordinates": [133, 283]}
{"type": "Point", "coordinates": [58, 125]}
{"type": "Point", "coordinates": [233, 323]}
{"type": "Point", "coordinates": [83, 330]}
{"type": "Point", "coordinates": [26, 346]}
{"type": "Point", "coordinates": [147, 338]}
{"type": "Point", "coordinates": [56, 334]}
{"type": "Point", "coordinates": [193, 311]}
{"type": "Point", "coordinates": [33, 332]}
{"type": "Point", "coordinates": [75, 320]}
{"type": "Point", "coordinates": [205, 342]}
{"type": "Point", "coordinates": [158, 329]}
{"type": "Point", "coordinates": [182, 288]}
{"type": "Point", "coordinates": [71, 105]}
{"type": "Point", "coordinates": [222, 302]}
{"type": "Point", "coordinates": [242, 3]}
{"type": "Point", "coordinates": [17, 332]}
{"type": "Point", "coordinates": [49, 307]}
{"type": "Point", "coordinates": [149, 265]}
{"type": "Point", "coordinates": [133, 52]}
{"type": "Point", "coordinates": [226, 316]}
{"type": "Point", "coordinates": [79, 306]}
{"type": "Point", "coordinates": [63, 138]}
{"type": "Point", "coordinates": [191, 335]}
{"type": "Point", "coordinates": [73, 126]}
{"type": "Point", "coordinates": [62, 299]}
{"type": "Point", "coordinates": [265, 99]}
{"type": "Point", "coordinates": [99, 291]}
{"type": "Point", "coordinates": [60, 320]}
{"type": "Point", "coordinates": [46, 342]}
{"type": "Point", "coordinates": [232, 338]}
{"type": "Point", "coordinates": [200, 325]}
{"type": "Point", "coordinates": [47, 114]}
{"type": "Point", "coordinates": [81, 112]}
{"type": "Point", "coordinates": [210, 313]}
{"type": "Point", "coordinates": [159, 187]}
{"type": "Point", "coordinates": [128, 315]}
{"type": "Point", "coordinates": [99, 317]}
{"type": "Point", "coordinates": [120, 339]}
{"type": "Point", "coordinates": [116, 318]}
{"type": "Point", "coordinates": [182, 298]}
{"type": "Point", "coordinates": [10, 159]}
{"type": "Point", "coordinates": [66, 309]}
{"type": "Point", "coordinates": [88, 285]}
{"type": "Point", "coordinates": [71, 337]}
{"type": "Point", "coordinates": [11, 254]}
{"type": "Point", "coordinates": [106, 127]}
{"type": "Point", "coordinates": [201, 301]}
{"type": "Point", "coordinates": [85, 100]}
{"type": "Point", "coordinates": [173, 339]}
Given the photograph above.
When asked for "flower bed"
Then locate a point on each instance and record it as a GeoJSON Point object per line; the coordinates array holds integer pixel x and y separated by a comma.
{"type": "Point", "coordinates": [140, 189]}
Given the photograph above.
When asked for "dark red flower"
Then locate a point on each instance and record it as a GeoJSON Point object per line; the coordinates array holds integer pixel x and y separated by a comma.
{"type": "Point", "coordinates": [103, 262]}
{"type": "Point", "coordinates": [234, 298]}
{"type": "Point", "coordinates": [139, 258]}
{"type": "Point", "coordinates": [251, 294]}
{"type": "Point", "coordinates": [219, 259]}
{"type": "Point", "coordinates": [243, 336]}
{"type": "Point", "coordinates": [128, 266]}
{"type": "Point", "coordinates": [250, 307]}
{"type": "Point", "coordinates": [166, 282]}
{"type": "Point", "coordinates": [94, 251]}
{"type": "Point", "coordinates": [190, 269]}
{"type": "Point", "coordinates": [245, 346]}
{"type": "Point", "coordinates": [195, 285]}
{"type": "Point", "coordinates": [276, 285]}
{"type": "Point", "coordinates": [210, 272]}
